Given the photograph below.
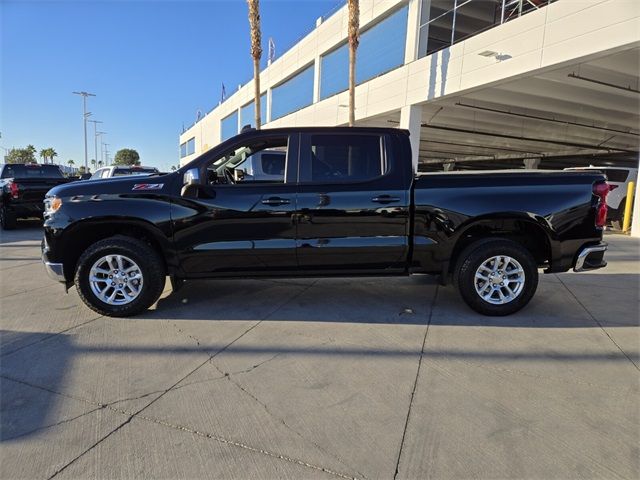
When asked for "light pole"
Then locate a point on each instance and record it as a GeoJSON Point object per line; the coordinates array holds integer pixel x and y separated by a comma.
{"type": "Point", "coordinates": [99, 134]}
{"type": "Point", "coordinates": [95, 137]}
{"type": "Point", "coordinates": [84, 96]}
{"type": "Point", "coordinates": [106, 153]}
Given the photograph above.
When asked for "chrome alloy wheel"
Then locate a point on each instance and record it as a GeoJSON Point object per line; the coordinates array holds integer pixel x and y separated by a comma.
{"type": "Point", "coordinates": [116, 279]}
{"type": "Point", "coordinates": [499, 280]}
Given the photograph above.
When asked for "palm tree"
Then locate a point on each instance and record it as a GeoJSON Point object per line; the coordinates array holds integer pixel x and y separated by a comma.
{"type": "Point", "coordinates": [93, 162]}
{"type": "Point", "coordinates": [52, 153]}
{"type": "Point", "coordinates": [100, 163]}
{"type": "Point", "coordinates": [256, 53]}
{"type": "Point", "coordinates": [31, 153]}
{"type": "Point", "coordinates": [354, 40]}
{"type": "Point", "coordinates": [71, 163]}
{"type": "Point", "coordinates": [44, 153]}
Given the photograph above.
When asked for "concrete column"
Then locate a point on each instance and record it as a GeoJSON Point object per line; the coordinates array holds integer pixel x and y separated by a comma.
{"type": "Point", "coordinates": [531, 163]}
{"type": "Point", "coordinates": [410, 119]}
{"type": "Point", "coordinates": [635, 220]}
{"type": "Point", "coordinates": [413, 27]}
{"type": "Point", "coordinates": [316, 80]}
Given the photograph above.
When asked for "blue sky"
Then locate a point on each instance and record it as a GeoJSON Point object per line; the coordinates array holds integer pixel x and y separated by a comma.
{"type": "Point", "coordinates": [152, 65]}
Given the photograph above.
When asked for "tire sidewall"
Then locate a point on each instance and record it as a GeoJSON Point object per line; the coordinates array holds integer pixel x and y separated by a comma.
{"type": "Point", "coordinates": [472, 258]}
{"type": "Point", "coordinates": [150, 289]}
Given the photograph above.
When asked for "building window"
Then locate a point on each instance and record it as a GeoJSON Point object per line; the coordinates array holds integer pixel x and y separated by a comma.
{"type": "Point", "coordinates": [247, 113]}
{"type": "Point", "coordinates": [381, 50]}
{"type": "Point", "coordinates": [191, 146]}
{"type": "Point", "coordinates": [445, 22]}
{"type": "Point", "coordinates": [183, 150]}
{"type": "Point", "coordinates": [293, 94]}
{"type": "Point", "coordinates": [229, 126]}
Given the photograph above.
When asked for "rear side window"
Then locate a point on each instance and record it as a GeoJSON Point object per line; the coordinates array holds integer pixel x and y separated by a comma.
{"type": "Point", "coordinates": [617, 175]}
{"type": "Point", "coordinates": [31, 171]}
{"type": "Point", "coordinates": [345, 158]}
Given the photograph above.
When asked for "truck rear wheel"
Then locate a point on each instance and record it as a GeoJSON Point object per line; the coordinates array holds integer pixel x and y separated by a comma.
{"type": "Point", "coordinates": [496, 276]}
{"type": "Point", "coordinates": [120, 276]}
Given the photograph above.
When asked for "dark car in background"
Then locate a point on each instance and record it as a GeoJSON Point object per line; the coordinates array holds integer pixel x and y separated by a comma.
{"type": "Point", "coordinates": [23, 187]}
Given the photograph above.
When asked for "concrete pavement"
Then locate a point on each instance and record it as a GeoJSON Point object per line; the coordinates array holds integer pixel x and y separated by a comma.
{"type": "Point", "coordinates": [348, 378]}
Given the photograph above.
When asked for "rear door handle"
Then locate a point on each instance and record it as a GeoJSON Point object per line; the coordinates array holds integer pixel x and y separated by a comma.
{"type": "Point", "coordinates": [275, 201]}
{"type": "Point", "coordinates": [385, 199]}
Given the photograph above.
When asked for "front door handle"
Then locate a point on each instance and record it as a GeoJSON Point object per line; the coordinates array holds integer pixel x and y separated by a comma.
{"type": "Point", "coordinates": [275, 201]}
{"type": "Point", "coordinates": [385, 199]}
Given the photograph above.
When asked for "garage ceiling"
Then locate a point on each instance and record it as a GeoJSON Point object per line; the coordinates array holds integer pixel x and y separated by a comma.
{"type": "Point", "coordinates": [584, 109]}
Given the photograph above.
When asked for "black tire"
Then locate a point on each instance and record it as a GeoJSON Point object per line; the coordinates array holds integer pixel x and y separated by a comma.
{"type": "Point", "coordinates": [7, 219]}
{"type": "Point", "coordinates": [480, 252]}
{"type": "Point", "coordinates": [148, 260]}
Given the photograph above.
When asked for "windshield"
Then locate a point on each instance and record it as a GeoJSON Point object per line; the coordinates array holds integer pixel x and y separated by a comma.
{"type": "Point", "coordinates": [33, 170]}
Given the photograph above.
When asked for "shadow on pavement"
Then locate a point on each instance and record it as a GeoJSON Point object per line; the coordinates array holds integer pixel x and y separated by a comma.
{"type": "Point", "coordinates": [24, 409]}
{"type": "Point", "coordinates": [341, 302]}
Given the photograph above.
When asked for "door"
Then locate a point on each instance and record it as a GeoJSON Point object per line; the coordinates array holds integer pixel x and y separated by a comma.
{"type": "Point", "coordinates": [238, 223]}
{"type": "Point", "coordinates": [353, 204]}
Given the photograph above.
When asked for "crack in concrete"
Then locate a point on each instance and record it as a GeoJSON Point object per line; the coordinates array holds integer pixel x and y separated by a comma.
{"type": "Point", "coordinates": [597, 322]}
{"type": "Point", "coordinates": [280, 420]}
{"type": "Point", "coordinates": [138, 415]}
{"type": "Point", "coordinates": [262, 404]}
{"type": "Point", "coordinates": [415, 383]}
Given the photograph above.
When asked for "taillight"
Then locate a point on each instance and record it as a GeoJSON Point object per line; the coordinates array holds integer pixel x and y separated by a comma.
{"type": "Point", "coordinates": [601, 190]}
{"type": "Point", "coordinates": [13, 189]}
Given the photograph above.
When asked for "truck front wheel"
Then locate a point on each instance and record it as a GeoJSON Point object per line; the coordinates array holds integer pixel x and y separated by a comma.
{"type": "Point", "coordinates": [496, 277]}
{"type": "Point", "coordinates": [120, 276]}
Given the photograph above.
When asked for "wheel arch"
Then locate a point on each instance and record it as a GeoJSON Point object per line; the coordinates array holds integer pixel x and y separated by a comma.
{"type": "Point", "coordinates": [81, 235]}
{"type": "Point", "coordinates": [527, 231]}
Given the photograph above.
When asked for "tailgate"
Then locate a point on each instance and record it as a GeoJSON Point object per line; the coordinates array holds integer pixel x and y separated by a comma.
{"type": "Point", "coordinates": [34, 189]}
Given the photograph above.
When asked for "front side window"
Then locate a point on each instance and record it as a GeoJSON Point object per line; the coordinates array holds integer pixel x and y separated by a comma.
{"type": "Point", "coordinates": [261, 162]}
{"type": "Point", "coordinates": [345, 158]}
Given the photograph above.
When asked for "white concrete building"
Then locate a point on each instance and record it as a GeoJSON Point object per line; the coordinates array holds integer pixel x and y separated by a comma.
{"type": "Point", "coordinates": [518, 81]}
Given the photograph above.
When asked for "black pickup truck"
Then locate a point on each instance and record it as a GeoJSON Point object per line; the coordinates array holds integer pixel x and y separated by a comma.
{"type": "Point", "coordinates": [339, 202]}
{"type": "Point", "coordinates": [22, 190]}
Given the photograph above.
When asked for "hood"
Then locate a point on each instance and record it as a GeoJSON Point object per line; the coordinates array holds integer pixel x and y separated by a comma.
{"type": "Point", "coordinates": [115, 185]}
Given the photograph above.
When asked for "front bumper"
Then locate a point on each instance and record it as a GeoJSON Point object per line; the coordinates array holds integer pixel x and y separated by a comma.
{"type": "Point", "coordinates": [54, 270]}
{"type": "Point", "coordinates": [590, 258]}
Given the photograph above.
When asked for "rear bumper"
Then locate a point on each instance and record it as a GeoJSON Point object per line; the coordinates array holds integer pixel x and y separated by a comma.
{"type": "Point", "coordinates": [590, 258]}
{"type": "Point", "coordinates": [26, 208]}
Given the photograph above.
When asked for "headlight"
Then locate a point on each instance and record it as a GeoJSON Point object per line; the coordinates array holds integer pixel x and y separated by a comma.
{"type": "Point", "coordinates": [52, 204]}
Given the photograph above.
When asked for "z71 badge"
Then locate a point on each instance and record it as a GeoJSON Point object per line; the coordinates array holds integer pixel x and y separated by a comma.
{"type": "Point", "coordinates": [148, 186]}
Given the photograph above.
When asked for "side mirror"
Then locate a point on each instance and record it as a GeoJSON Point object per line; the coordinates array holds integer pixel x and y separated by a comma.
{"type": "Point", "coordinates": [191, 183]}
{"type": "Point", "coordinates": [238, 175]}
{"type": "Point", "coordinates": [191, 176]}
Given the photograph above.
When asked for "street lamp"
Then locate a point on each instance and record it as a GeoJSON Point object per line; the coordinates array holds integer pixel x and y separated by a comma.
{"type": "Point", "coordinates": [84, 96]}
{"type": "Point", "coordinates": [95, 137]}
{"type": "Point", "coordinates": [105, 151]}
{"type": "Point", "coordinates": [99, 134]}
